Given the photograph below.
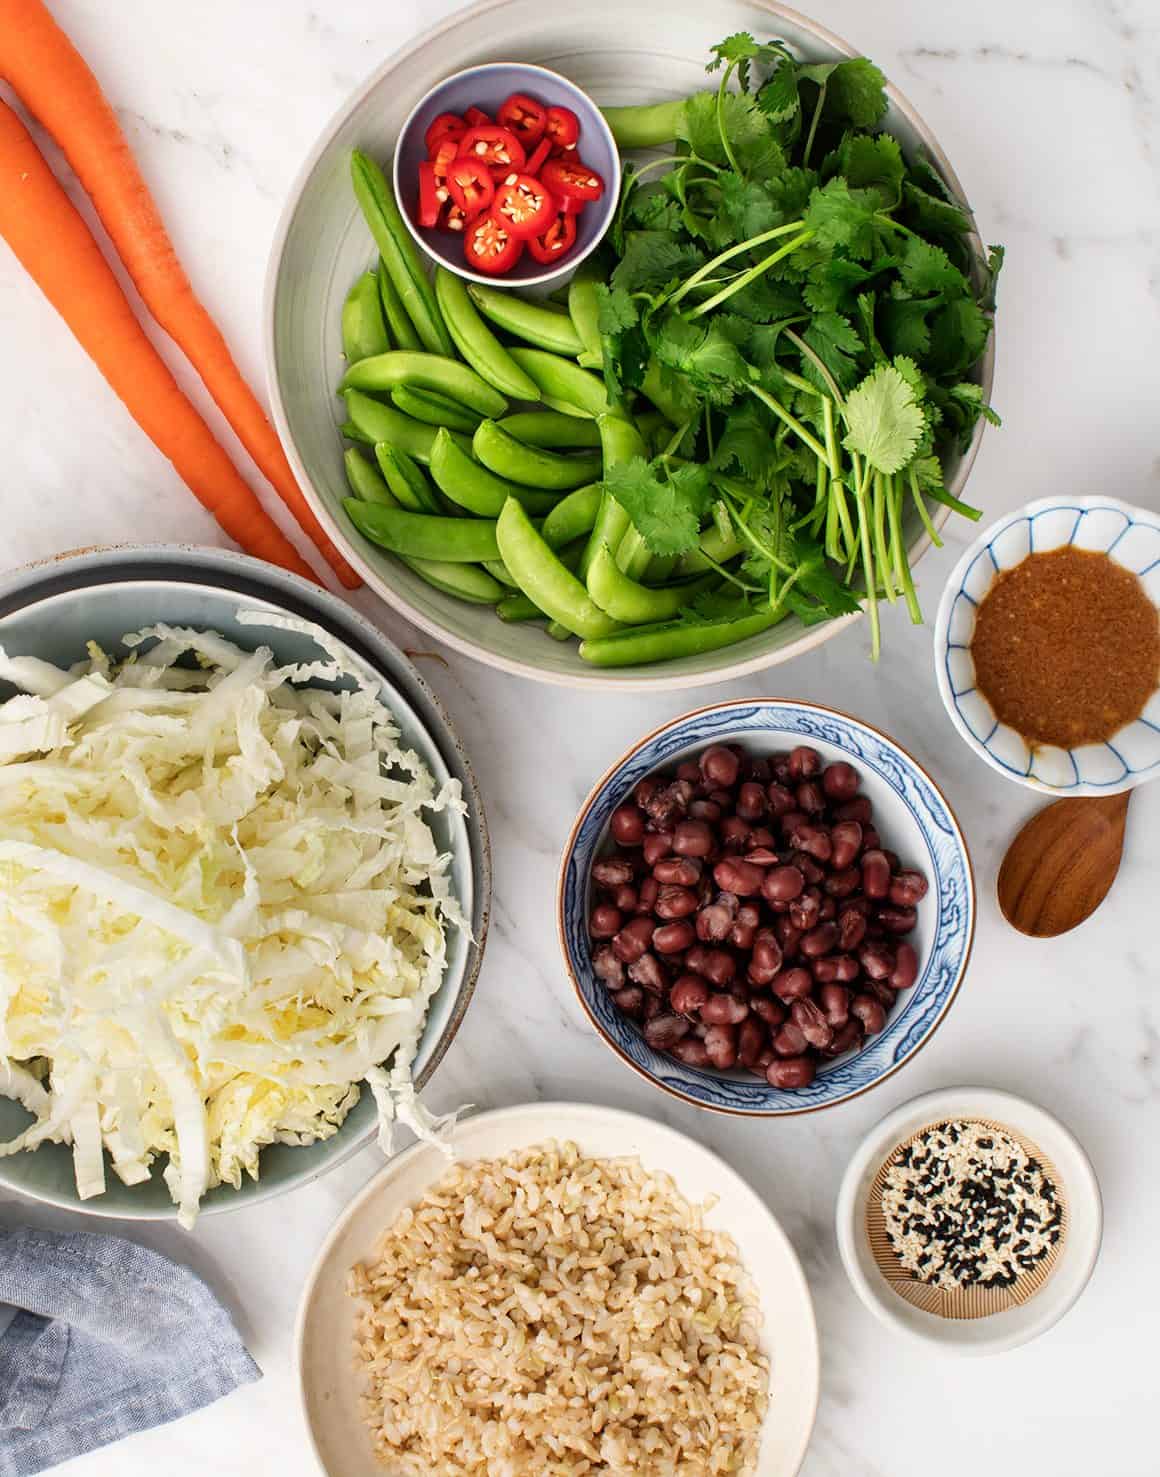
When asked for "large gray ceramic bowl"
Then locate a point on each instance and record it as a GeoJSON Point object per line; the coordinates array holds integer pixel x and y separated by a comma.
{"type": "Point", "coordinates": [617, 51]}
{"type": "Point", "coordinates": [52, 610]}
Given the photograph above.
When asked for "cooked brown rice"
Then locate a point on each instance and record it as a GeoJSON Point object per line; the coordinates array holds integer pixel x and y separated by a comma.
{"type": "Point", "coordinates": [554, 1315]}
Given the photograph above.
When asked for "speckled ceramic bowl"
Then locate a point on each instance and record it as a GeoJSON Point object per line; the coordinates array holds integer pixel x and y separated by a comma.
{"type": "Point", "coordinates": [51, 610]}
{"type": "Point", "coordinates": [486, 87]}
{"type": "Point", "coordinates": [1130, 536]}
{"type": "Point", "coordinates": [914, 819]}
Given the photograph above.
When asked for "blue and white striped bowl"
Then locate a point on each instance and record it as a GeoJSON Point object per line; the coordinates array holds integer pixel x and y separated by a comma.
{"type": "Point", "coordinates": [1130, 536]}
{"type": "Point", "coordinates": [914, 819]}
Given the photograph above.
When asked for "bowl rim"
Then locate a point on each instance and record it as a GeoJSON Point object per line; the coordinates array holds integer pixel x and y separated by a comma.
{"type": "Point", "coordinates": [608, 202]}
{"type": "Point", "coordinates": [570, 846]}
{"type": "Point", "coordinates": [241, 574]}
{"type": "Point", "coordinates": [534, 1112]}
{"type": "Point", "coordinates": [1091, 502]}
{"type": "Point", "coordinates": [660, 678]}
{"type": "Point", "coordinates": [883, 1137]}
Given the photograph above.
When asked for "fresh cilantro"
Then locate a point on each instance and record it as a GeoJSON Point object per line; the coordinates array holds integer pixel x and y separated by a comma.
{"type": "Point", "coordinates": [884, 419]}
{"type": "Point", "coordinates": [651, 259]}
{"type": "Point", "coordinates": [842, 217]}
{"type": "Point", "coordinates": [855, 90]}
{"type": "Point", "coordinates": [927, 269]}
{"type": "Point", "coordinates": [668, 510]}
{"type": "Point", "coordinates": [925, 212]}
{"type": "Point", "coordinates": [705, 353]}
{"type": "Point", "coordinates": [873, 164]}
{"type": "Point", "coordinates": [834, 341]}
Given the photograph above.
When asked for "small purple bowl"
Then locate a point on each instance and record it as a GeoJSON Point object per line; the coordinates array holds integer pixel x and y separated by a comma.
{"type": "Point", "coordinates": [486, 87]}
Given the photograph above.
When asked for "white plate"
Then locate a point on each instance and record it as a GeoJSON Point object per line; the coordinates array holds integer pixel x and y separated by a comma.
{"type": "Point", "coordinates": [617, 53]}
{"type": "Point", "coordinates": [1077, 1257]}
{"type": "Point", "coordinates": [325, 1335]}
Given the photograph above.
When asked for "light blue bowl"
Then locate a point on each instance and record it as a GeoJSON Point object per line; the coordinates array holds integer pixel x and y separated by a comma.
{"type": "Point", "coordinates": [915, 821]}
{"type": "Point", "coordinates": [487, 87]}
{"type": "Point", "coordinates": [1130, 536]}
{"type": "Point", "coordinates": [52, 610]}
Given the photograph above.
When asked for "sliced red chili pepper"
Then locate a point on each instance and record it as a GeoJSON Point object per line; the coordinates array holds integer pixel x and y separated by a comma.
{"type": "Point", "coordinates": [489, 246]}
{"type": "Point", "coordinates": [443, 158]}
{"type": "Point", "coordinates": [571, 179]}
{"type": "Point", "coordinates": [447, 125]}
{"type": "Point", "coordinates": [476, 117]}
{"type": "Point", "coordinates": [571, 206]}
{"type": "Point", "coordinates": [429, 201]}
{"type": "Point", "coordinates": [562, 129]}
{"type": "Point", "coordinates": [560, 237]}
{"type": "Point", "coordinates": [524, 206]}
{"type": "Point", "coordinates": [526, 118]}
{"type": "Point", "coordinates": [497, 147]}
{"type": "Point", "coordinates": [538, 155]}
{"type": "Point", "coordinates": [471, 184]}
{"type": "Point", "coordinates": [454, 218]}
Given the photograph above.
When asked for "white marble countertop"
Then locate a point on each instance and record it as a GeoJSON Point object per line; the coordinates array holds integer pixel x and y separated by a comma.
{"type": "Point", "coordinates": [1050, 111]}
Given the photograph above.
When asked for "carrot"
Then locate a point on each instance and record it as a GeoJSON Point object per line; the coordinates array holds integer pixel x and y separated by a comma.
{"type": "Point", "coordinates": [55, 84]}
{"type": "Point", "coordinates": [49, 236]}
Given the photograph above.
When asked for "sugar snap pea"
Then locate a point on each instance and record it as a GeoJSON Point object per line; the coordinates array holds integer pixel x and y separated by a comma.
{"type": "Point", "coordinates": [461, 478]}
{"type": "Point", "coordinates": [673, 639]}
{"type": "Point", "coordinates": [364, 480]}
{"type": "Point", "coordinates": [434, 409]}
{"type": "Point", "coordinates": [713, 547]}
{"type": "Point", "coordinates": [536, 323]}
{"type": "Point", "coordinates": [499, 571]}
{"type": "Point", "coordinates": [399, 252]}
{"type": "Point", "coordinates": [364, 333]}
{"type": "Point", "coordinates": [620, 442]}
{"type": "Point", "coordinates": [517, 607]}
{"type": "Point", "coordinates": [406, 479]}
{"type": "Point", "coordinates": [544, 579]}
{"type": "Point", "coordinates": [466, 581]}
{"type": "Point", "coordinates": [668, 393]}
{"type": "Point", "coordinates": [399, 324]}
{"type": "Point", "coordinates": [531, 466]}
{"type": "Point", "coordinates": [635, 604]}
{"type": "Point", "coordinates": [375, 422]}
{"type": "Point", "coordinates": [572, 517]}
{"type": "Point", "coordinates": [352, 433]}
{"type": "Point", "coordinates": [427, 372]}
{"type": "Point", "coordinates": [476, 342]}
{"type": "Point", "coordinates": [564, 382]}
{"type": "Point", "coordinates": [584, 308]}
{"type": "Point", "coordinates": [424, 536]}
{"type": "Point", "coordinates": [553, 429]}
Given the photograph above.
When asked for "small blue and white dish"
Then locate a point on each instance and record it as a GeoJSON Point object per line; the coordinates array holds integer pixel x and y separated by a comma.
{"type": "Point", "coordinates": [486, 87]}
{"type": "Point", "coordinates": [1127, 534]}
{"type": "Point", "coordinates": [915, 821]}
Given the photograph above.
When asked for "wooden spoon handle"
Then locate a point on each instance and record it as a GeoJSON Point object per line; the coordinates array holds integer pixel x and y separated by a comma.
{"type": "Point", "coordinates": [1060, 866]}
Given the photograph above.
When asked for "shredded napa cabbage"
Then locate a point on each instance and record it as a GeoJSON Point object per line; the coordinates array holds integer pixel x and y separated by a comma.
{"type": "Point", "coordinates": [221, 906]}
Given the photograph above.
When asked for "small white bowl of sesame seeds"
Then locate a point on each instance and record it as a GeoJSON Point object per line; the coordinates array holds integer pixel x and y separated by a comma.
{"type": "Point", "coordinates": [970, 1218]}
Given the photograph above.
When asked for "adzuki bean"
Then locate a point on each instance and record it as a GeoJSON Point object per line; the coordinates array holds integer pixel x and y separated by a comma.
{"type": "Point", "coordinates": [748, 914]}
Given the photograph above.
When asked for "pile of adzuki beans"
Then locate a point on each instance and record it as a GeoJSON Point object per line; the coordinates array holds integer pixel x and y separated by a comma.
{"type": "Point", "coordinates": [750, 916]}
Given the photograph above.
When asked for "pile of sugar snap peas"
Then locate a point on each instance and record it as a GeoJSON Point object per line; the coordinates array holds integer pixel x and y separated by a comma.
{"type": "Point", "coordinates": [506, 508]}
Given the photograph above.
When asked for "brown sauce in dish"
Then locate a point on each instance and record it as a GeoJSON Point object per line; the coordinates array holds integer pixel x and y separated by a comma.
{"type": "Point", "coordinates": [1067, 647]}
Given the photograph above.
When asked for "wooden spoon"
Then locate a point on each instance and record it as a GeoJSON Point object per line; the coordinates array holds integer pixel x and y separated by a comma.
{"type": "Point", "coordinates": [1059, 868]}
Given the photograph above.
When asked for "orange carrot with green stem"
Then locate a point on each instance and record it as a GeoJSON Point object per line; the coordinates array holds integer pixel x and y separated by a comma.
{"type": "Point", "coordinates": [49, 236]}
{"type": "Point", "coordinates": [55, 84]}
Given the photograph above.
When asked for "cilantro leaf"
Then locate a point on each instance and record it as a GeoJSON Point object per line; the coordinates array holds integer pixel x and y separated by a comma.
{"type": "Point", "coordinates": [927, 269]}
{"type": "Point", "coordinates": [616, 309]}
{"type": "Point", "coordinates": [778, 97]}
{"type": "Point", "coordinates": [904, 324]}
{"type": "Point", "coordinates": [855, 90]}
{"type": "Point", "coordinates": [873, 164]}
{"type": "Point", "coordinates": [958, 336]}
{"type": "Point", "coordinates": [622, 340]}
{"type": "Point", "coordinates": [831, 281]}
{"type": "Point", "coordinates": [705, 352]}
{"type": "Point", "coordinates": [884, 419]}
{"type": "Point", "coordinates": [738, 115]}
{"type": "Point", "coordinates": [866, 306]}
{"type": "Point", "coordinates": [747, 442]}
{"type": "Point", "coordinates": [834, 341]}
{"type": "Point", "coordinates": [842, 217]}
{"type": "Point", "coordinates": [651, 259]}
{"type": "Point", "coordinates": [995, 256]}
{"type": "Point", "coordinates": [667, 513]}
{"type": "Point", "coordinates": [926, 213]}
{"type": "Point", "coordinates": [970, 396]}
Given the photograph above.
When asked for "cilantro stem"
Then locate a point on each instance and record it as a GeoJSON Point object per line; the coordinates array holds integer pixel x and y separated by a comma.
{"type": "Point", "coordinates": [730, 576]}
{"type": "Point", "coordinates": [799, 382]}
{"type": "Point", "coordinates": [920, 504]}
{"type": "Point", "coordinates": [753, 273]}
{"type": "Point", "coordinates": [831, 545]}
{"type": "Point", "coordinates": [867, 559]}
{"type": "Point", "coordinates": [818, 106]}
{"type": "Point", "coordinates": [721, 129]}
{"type": "Point", "coordinates": [792, 422]}
{"type": "Point", "coordinates": [711, 266]}
{"type": "Point", "coordinates": [838, 497]}
{"type": "Point", "coordinates": [833, 456]}
{"type": "Point", "coordinates": [942, 496]}
{"type": "Point", "coordinates": [805, 349]}
{"type": "Point", "coordinates": [901, 561]}
{"type": "Point", "coordinates": [881, 551]}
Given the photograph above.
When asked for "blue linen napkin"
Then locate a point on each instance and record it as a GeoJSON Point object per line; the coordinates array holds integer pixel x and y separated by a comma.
{"type": "Point", "coordinates": [108, 1338]}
